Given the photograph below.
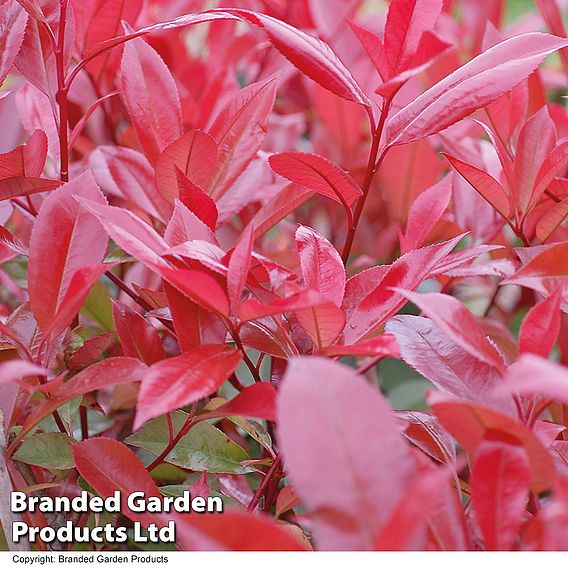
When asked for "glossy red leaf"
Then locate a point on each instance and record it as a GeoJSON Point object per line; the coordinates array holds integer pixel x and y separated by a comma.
{"type": "Point", "coordinates": [372, 471]}
{"type": "Point", "coordinates": [425, 212]}
{"type": "Point", "coordinates": [473, 86]}
{"type": "Point", "coordinates": [197, 201]}
{"type": "Point", "coordinates": [369, 302]}
{"type": "Point", "coordinates": [195, 154]}
{"type": "Point", "coordinates": [541, 326]}
{"type": "Point", "coordinates": [20, 186]}
{"type": "Point", "coordinates": [27, 160]}
{"type": "Point", "coordinates": [150, 94]}
{"type": "Point", "coordinates": [551, 220]}
{"type": "Point", "coordinates": [499, 491]}
{"type": "Point", "coordinates": [175, 382]}
{"type": "Point", "coordinates": [318, 174]}
{"type": "Point", "coordinates": [383, 345]}
{"type": "Point", "coordinates": [256, 401]}
{"type": "Point", "coordinates": [536, 140]}
{"type": "Point", "coordinates": [138, 337]}
{"type": "Point", "coordinates": [109, 466]}
{"type": "Point", "coordinates": [488, 187]}
{"type": "Point", "coordinates": [406, 22]}
{"type": "Point", "coordinates": [65, 238]}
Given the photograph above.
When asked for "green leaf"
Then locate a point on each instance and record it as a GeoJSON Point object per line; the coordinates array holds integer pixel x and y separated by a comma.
{"type": "Point", "coordinates": [98, 306]}
{"type": "Point", "coordinates": [50, 450]}
{"type": "Point", "coordinates": [203, 448]}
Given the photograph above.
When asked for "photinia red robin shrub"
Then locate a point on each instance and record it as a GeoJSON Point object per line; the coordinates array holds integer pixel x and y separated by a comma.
{"type": "Point", "coordinates": [308, 257]}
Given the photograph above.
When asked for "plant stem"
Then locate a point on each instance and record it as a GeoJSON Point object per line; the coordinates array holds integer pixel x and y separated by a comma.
{"type": "Point", "coordinates": [84, 422]}
{"type": "Point", "coordinates": [372, 167]}
{"type": "Point", "coordinates": [173, 441]}
{"type": "Point", "coordinates": [252, 368]}
{"type": "Point", "coordinates": [258, 493]}
{"type": "Point", "coordinates": [62, 91]}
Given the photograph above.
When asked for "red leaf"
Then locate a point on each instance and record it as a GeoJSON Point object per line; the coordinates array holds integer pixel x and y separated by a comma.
{"type": "Point", "coordinates": [372, 471]}
{"type": "Point", "coordinates": [449, 367]}
{"type": "Point", "coordinates": [138, 337]}
{"type": "Point", "coordinates": [19, 186]}
{"type": "Point", "coordinates": [323, 323]}
{"type": "Point", "coordinates": [128, 174]}
{"type": "Point", "coordinates": [545, 272]}
{"type": "Point", "coordinates": [488, 187]}
{"type": "Point", "coordinates": [239, 267]}
{"type": "Point", "coordinates": [385, 345]}
{"type": "Point", "coordinates": [537, 139]}
{"type": "Point", "coordinates": [64, 240]}
{"type": "Point", "coordinates": [109, 466]}
{"type": "Point", "coordinates": [406, 22]}
{"type": "Point", "coordinates": [195, 154]}
{"type": "Point", "coordinates": [541, 326]}
{"type": "Point", "coordinates": [374, 48]}
{"type": "Point", "coordinates": [425, 212]}
{"type": "Point", "coordinates": [469, 424]}
{"type": "Point", "coordinates": [408, 526]}
{"type": "Point", "coordinates": [281, 205]}
{"type": "Point", "coordinates": [318, 174]}
{"type": "Point", "coordinates": [197, 201]}
{"type": "Point", "coordinates": [551, 220]}
{"type": "Point", "coordinates": [473, 86]}
{"type": "Point", "coordinates": [12, 27]}
{"type": "Point", "coordinates": [310, 55]}
{"type": "Point", "coordinates": [194, 325]}
{"type": "Point", "coordinates": [107, 373]}
{"type": "Point", "coordinates": [150, 94]}
{"type": "Point", "coordinates": [239, 130]}
{"type": "Point", "coordinates": [256, 401]}
{"type": "Point", "coordinates": [321, 265]}
{"type": "Point", "coordinates": [458, 324]}
{"type": "Point", "coordinates": [499, 491]}
{"type": "Point", "coordinates": [25, 161]}
{"type": "Point", "coordinates": [178, 381]}
{"type": "Point", "coordinates": [372, 300]}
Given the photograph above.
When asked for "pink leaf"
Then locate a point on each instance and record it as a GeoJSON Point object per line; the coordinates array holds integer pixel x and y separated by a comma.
{"type": "Point", "coordinates": [17, 369]}
{"type": "Point", "coordinates": [541, 326]}
{"type": "Point", "coordinates": [499, 491]}
{"type": "Point", "coordinates": [318, 174]}
{"type": "Point", "coordinates": [425, 212]}
{"type": "Point", "coordinates": [473, 86]}
{"type": "Point", "coordinates": [369, 471]}
{"type": "Point", "coordinates": [459, 324]}
{"type": "Point", "coordinates": [12, 27]}
{"type": "Point", "coordinates": [321, 265]}
{"type": "Point", "coordinates": [150, 94]}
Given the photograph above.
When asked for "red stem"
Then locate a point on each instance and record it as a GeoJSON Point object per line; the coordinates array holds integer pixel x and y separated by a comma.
{"type": "Point", "coordinates": [258, 493]}
{"type": "Point", "coordinates": [62, 94]}
{"type": "Point", "coordinates": [372, 167]}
